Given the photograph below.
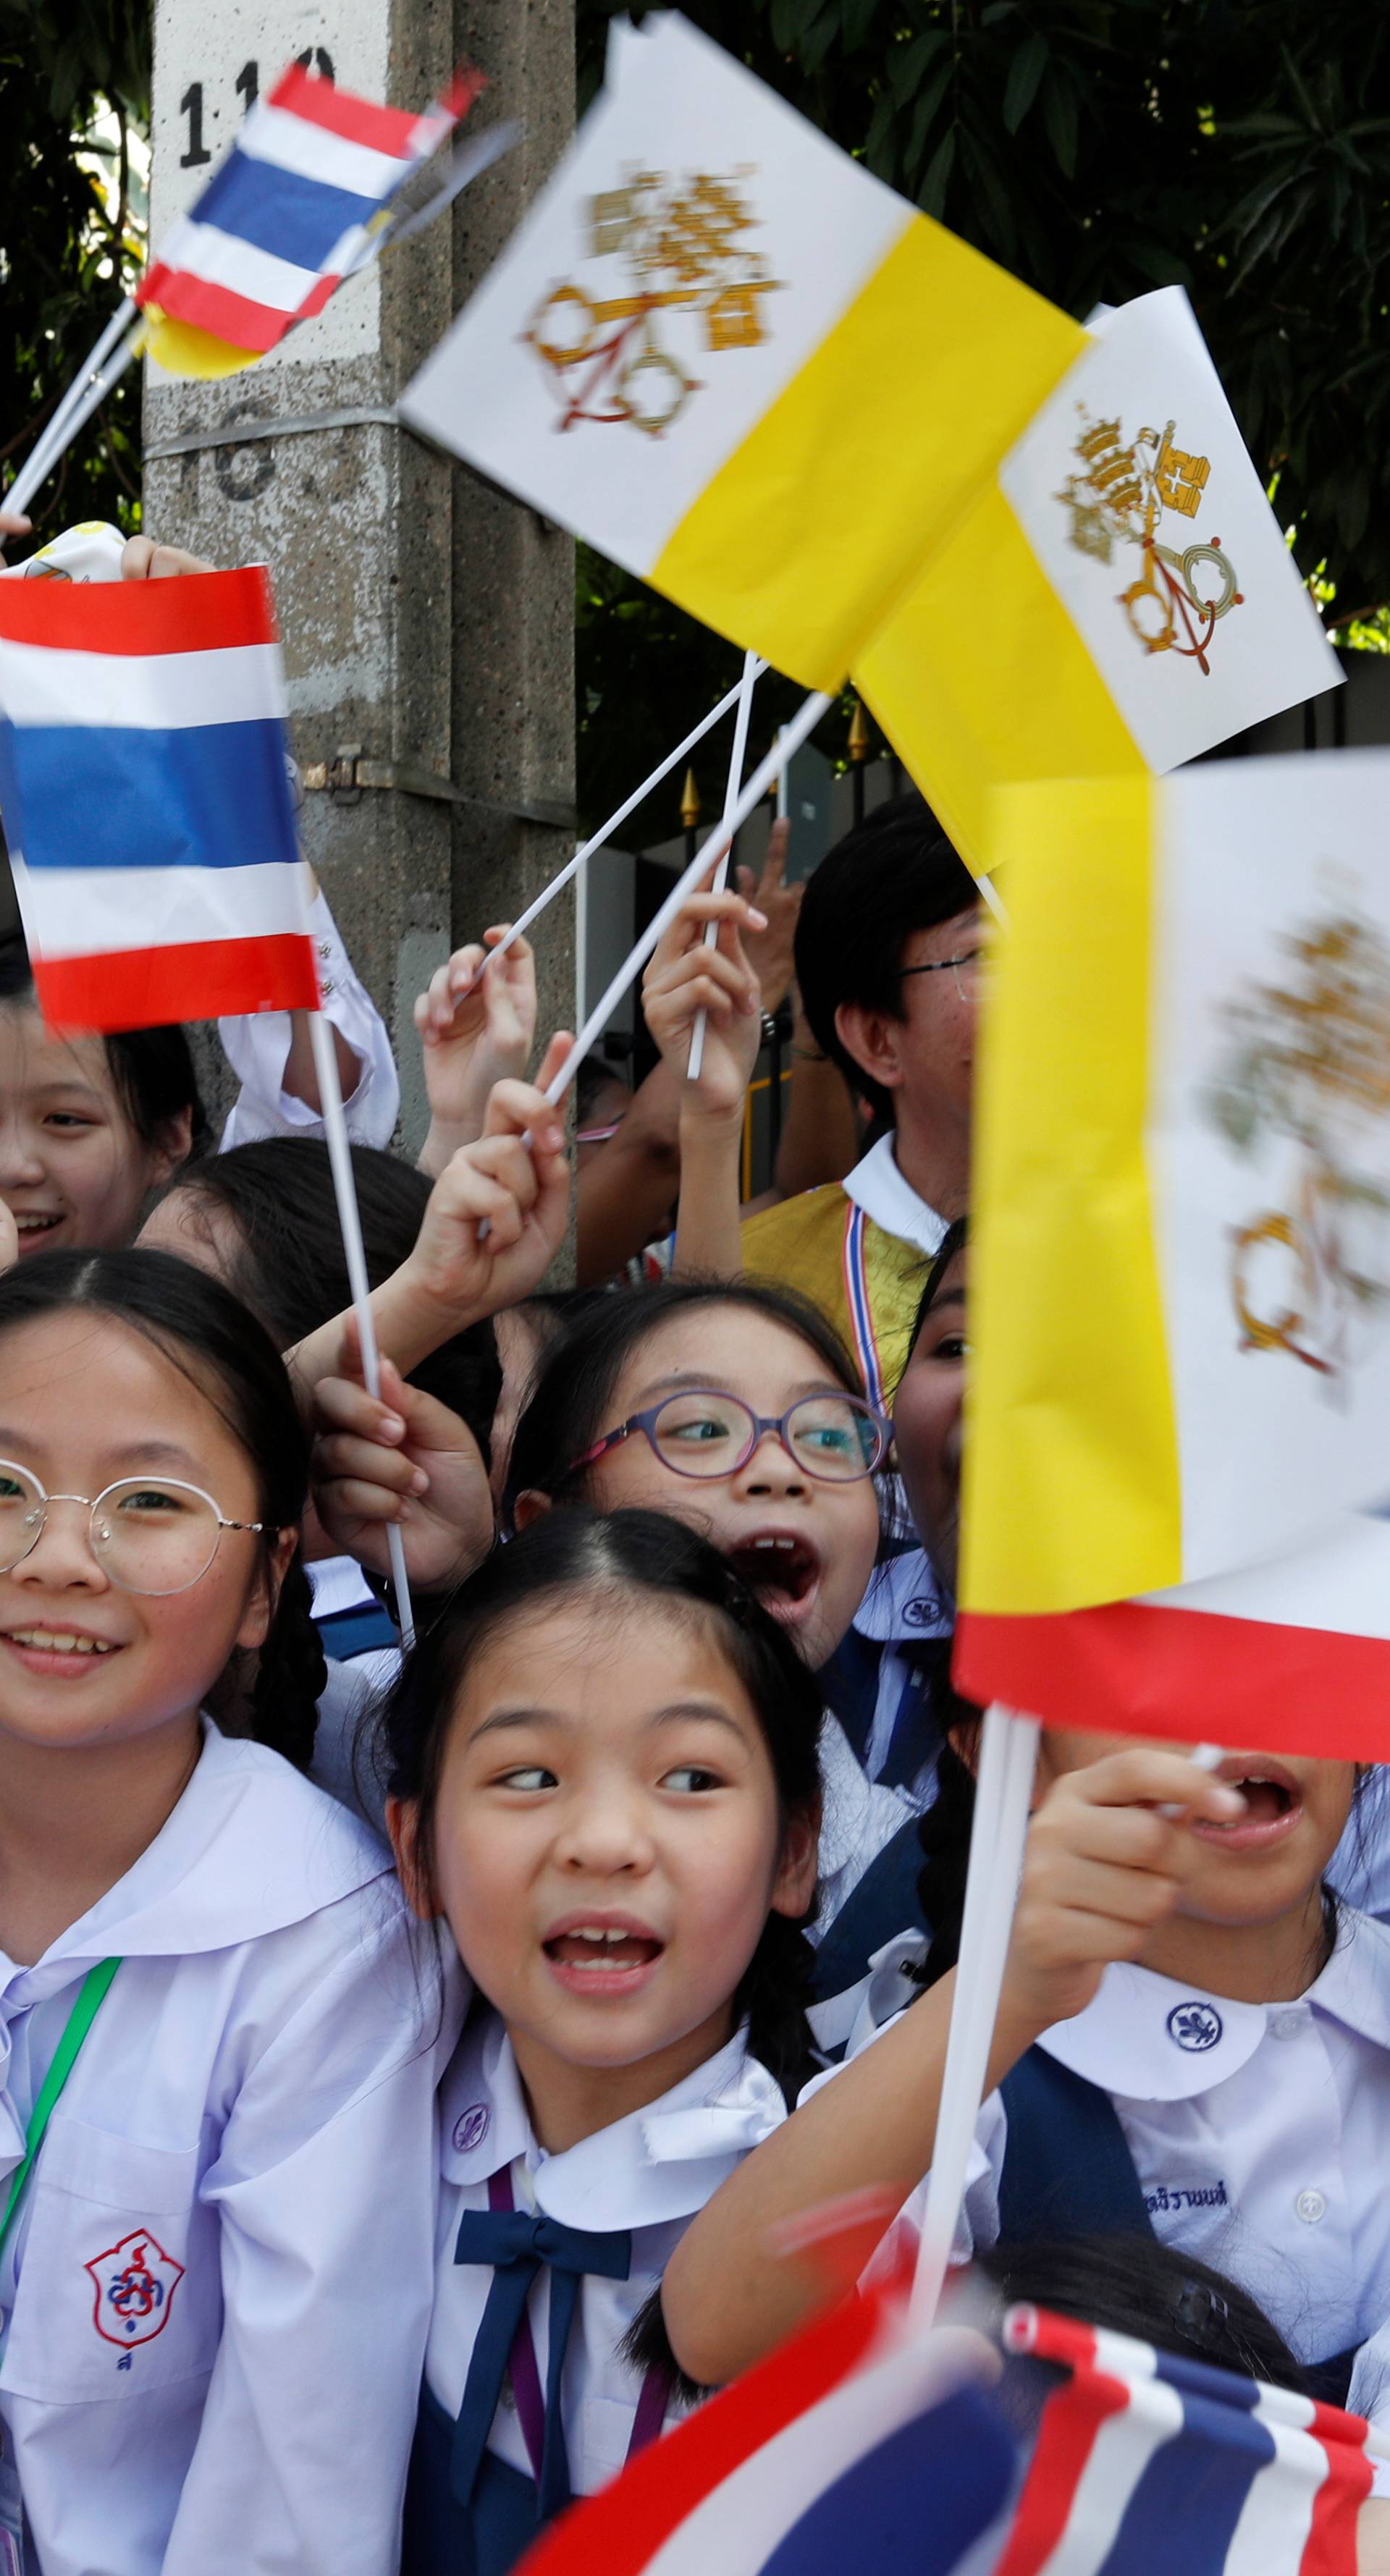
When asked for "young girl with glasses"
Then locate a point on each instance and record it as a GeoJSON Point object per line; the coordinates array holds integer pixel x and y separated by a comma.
{"type": "Point", "coordinates": [735, 1410]}
{"type": "Point", "coordinates": [218, 2046]}
{"type": "Point", "coordinates": [604, 1779]}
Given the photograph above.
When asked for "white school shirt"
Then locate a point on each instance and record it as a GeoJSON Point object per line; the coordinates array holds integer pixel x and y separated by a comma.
{"type": "Point", "coordinates": [1257, 2130]}
{"type": "Point", "coordinates": [858, 1816]}
{"type": "Point", "coordinates": [257, 1047]}
{"type": "Point", "coordinates": [905, 1604]}
{"type": "Point", "coordinates": [876, 1184]}
{"type": "Point", "coordinates": [246, 2143]}
{"type": "Point", "coordinates": [649, 2173]}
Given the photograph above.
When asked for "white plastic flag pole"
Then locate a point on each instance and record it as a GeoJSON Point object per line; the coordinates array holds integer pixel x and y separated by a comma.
{"type": "Point", "coordinates": [781, 789]}
{"type": "Point", "coordinates": [746, 686]}
{"type": "Point", "coordinates": [89, 386]}
{"type": "Point", "coordinates": [349, 1219]}
{"type": "Point", "coordinates": [629, 806]}
{"type": "Point", "coordinates": [804, 722]}
{"type": "Point", "coordinates": [1003, 1795]}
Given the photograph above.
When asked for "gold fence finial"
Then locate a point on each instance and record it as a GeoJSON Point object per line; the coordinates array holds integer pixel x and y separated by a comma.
{"type": "Point", "coordinates": [690, 802]}
{"type": "Point", "coordinates": [859, 745]}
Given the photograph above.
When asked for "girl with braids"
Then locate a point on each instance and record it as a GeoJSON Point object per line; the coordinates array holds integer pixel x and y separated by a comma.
{"type": "Point", "coordinates": [604, 1778]}
{"type": "Point", "coordinates": [218, 2046]}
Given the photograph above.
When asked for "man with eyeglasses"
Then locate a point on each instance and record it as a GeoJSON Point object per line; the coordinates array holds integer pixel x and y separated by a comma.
{"type": "Point", "coordinates": [887, 958]}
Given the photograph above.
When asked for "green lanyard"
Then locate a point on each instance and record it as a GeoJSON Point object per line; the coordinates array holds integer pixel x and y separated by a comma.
{"type": "Point", "coordinates": [90, 1998]}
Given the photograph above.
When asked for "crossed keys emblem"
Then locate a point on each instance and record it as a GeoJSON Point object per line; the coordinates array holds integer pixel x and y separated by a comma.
{"type": "Point", "coordinates": [1306, 1065]}
{"type": "Point", "coordinates": [690, 286]}
{"type": "Point", "coordinates": [1119, 498]}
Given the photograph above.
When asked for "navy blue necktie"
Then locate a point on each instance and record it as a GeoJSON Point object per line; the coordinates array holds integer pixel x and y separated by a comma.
{"type": "Point", "coordinates": [517, 2245]}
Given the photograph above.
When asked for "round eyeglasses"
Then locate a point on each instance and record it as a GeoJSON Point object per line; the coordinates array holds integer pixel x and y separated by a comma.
{"type": "Point", "coordinates": [701, 1432]}
{"type": "Point", "coordinates": [148, 1534]}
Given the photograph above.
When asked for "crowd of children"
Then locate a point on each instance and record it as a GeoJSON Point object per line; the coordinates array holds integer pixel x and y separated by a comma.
{"type": "Point", "coordinates": [409, 2061]}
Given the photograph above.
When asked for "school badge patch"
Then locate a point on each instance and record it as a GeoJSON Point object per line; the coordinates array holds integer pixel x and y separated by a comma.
{"type": "Point", "coordinates": [134, 2285]}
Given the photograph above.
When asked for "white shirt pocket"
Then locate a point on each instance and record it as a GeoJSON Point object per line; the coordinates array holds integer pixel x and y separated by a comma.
{"type": "Point", "coordinates": [119, 2274]}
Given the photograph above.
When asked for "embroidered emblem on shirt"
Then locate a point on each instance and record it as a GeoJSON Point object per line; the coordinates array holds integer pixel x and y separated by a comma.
{"type": "Point", "coordinates": [471, 2127]}
{"type": "Point", "coordinates": [1179, 2196]}
{"type": "Point", "coordinates": [1195, 2026]}
{"type": "Point", "coordinates": [135, 2284]}
{"type": "Point", "coordinates": [923, 1612]}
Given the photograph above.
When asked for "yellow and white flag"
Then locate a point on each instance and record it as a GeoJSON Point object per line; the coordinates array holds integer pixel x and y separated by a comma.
{"type": "Point", "coordinates": [735, 362]}
{"type": "Point", "coordinates": [749, 372]}
{"type": "Point", "coordinates": [1181, 1285]}
{"type": "Point", "coordinates": [1118, 597]}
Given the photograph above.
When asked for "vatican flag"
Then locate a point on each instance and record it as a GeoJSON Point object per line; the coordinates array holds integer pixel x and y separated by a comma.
{"type": "Point", "coordinates": [1118, 596]}
{"type": "Point", "coordinates": [725, 355]}
{"type": "Point", "coordinates": [1181, 1294]}
{"type": "Point", "coordinates": [1177, 1451]}
{"type": "Point", "coordinates": [736, 363]}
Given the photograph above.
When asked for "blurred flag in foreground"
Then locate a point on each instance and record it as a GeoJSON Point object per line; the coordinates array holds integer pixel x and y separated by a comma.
{"type": "Point", "coordinates": [1180, 1296]}
{"type": "Point", "coordinates": [1145, 2461]}
{"type": "Point", "coordinates": [146, 803]}
{"type": "Point", "coordinates": [722, 352]}
{"type": "Point", "coordinates": [858, 2446]}
{"type": "Point", "coordinates": [287, 214]}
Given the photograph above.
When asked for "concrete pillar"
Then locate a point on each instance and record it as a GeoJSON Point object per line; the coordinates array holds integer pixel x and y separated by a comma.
{"type": "Point", "coordinates": [427, 622]}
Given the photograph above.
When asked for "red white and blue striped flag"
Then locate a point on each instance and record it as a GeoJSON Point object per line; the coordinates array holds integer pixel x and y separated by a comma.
{"type": "Point", "coordinates": [859, 2446]}
{"type": "Point", "coordinates": [1146, 2461]}
{"type": "Point", "coordinates": [289, 211]}
{"type": "Point", "coordinates": [146, 802]}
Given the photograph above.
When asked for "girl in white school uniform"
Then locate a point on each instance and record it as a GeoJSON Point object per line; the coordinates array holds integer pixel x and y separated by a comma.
{"type": "Point", "coordinates": [1193, 2038]}
{"type": "Point", "coordinates": [217, 2040]}
{"type": "Point", "coordinates": [605, 1779]}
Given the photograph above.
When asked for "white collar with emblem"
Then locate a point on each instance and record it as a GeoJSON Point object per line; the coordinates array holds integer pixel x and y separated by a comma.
{"type": "Point", "coordinates": [1148, 2038]}
{"type": "Point", "coordinates": [904, 1602]}
{"type": "Point", "coordinates": [660, 2163]}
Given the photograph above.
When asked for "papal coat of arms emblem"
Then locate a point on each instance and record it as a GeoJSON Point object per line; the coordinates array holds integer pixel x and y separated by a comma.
{"type": "Point", "coordinates": [1306, 1064]}
{"type": "Point", "coordinates": [669, 274]}
{"type": "Point", "coordinates": [1119, 498]}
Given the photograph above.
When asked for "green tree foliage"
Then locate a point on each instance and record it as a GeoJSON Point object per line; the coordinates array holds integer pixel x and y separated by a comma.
{"type": "Point", "coordinates": [74, 91]}
{"type": "Point", "coordinates": [1097, 148]}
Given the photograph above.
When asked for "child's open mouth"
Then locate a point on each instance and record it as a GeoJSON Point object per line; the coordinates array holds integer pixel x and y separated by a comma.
{"type": "Point", "coordinates": [1273, 1805]}
{"type": "Point", "coordinates": [780, 1566]}
{"type": "Point", "coordinates": [602, 1954]}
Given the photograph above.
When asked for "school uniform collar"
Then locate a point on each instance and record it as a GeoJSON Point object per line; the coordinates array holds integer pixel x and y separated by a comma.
{"type": "Point", "coordinates": [845, 2022]}
{"type": "Point", "coordinates": [660, 2163]}
{"type": "Point", "coordinates": [877, 1186]}
{"type": "Point", "coordinates": [1148, 2039]}
{"type": "Point", "coordinates": [250, 1848]}
{"type": "Point", "coordinates": [338, 1583]}
{"type": "Point", "coordinates": [905, 1602]}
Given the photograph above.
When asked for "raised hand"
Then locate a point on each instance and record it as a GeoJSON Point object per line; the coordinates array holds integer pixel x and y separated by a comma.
{"type": "Point", "coordinates": [684, 977]}
{"type": "Point", "coordinates": [404, 1458]}
{"type": "Point", "coordinates": [770, 951]}
{"type": "Point", "coordinates": [1107, 1856]}
{"type": "Point", "coordinates": [497, 1213]}
{"type": "Point", "coordinates": [477, 1025]}
{"type": "Point", "coordinates": [144, 559]}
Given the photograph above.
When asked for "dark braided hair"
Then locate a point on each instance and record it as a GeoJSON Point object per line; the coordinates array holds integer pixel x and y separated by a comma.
{"type": "Point", "coordinates": [205, 1332]}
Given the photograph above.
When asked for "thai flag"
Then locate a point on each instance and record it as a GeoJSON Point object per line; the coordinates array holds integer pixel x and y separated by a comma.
{"type": "Point", "coordinates": [290, 209]}
{"type": "Point", "coordinates": [1146, 2462]}
{"type": "Point", "coordinates": [146, 802]}
{"type": "Point", "coordinates": [859, 2446]}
